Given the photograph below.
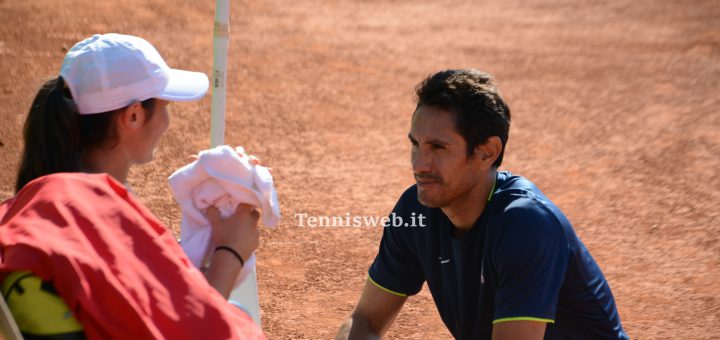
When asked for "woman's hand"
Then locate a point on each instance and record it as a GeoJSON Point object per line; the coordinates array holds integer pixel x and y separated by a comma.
{"type": "Point", "coordinates": [238, 231]}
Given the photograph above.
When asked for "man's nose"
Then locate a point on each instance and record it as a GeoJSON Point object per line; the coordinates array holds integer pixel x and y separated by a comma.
{"type": "Point", "coordinates": [421, 161]}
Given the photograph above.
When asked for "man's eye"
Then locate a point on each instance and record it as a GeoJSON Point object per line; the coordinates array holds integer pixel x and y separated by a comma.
{"type": "Point", "coordinates": [436, 146]}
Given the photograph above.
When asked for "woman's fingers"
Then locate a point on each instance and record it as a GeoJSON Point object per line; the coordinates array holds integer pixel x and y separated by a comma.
{"type": "Point", "coordinates": [212, 214]}
{"type": "Point", "coordinates": [254, 160]}
{"type": "Point", "coordinates": [244, 207]}
{"type": "Point", "coordinates": [250, 209]}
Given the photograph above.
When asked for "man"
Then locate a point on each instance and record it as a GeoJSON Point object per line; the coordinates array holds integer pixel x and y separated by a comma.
{"type": "Point", "coordinates": [500, 259]}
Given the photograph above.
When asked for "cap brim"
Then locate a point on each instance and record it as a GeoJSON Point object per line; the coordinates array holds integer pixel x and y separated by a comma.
{"type": "Point", "coordinates": [185, 86]}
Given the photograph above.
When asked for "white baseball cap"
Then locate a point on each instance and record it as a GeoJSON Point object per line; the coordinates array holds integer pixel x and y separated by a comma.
{"type": "Point", "coordinates": [111, 71]}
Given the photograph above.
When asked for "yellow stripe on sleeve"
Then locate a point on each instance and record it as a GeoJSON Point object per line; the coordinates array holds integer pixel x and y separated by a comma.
{"type": "Point", "coordinates": [385, 289]}
{"type": "Point", "coordinates": [523, 318]}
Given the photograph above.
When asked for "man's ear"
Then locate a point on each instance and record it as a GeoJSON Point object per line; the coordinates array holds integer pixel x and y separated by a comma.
{"type": "Point", "coordinates": [489, 151]}
{"type": "Point", "coordinates": [133, 116]}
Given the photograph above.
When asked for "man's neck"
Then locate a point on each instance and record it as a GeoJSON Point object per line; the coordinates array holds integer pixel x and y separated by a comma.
{"type": "Point", "coordinates": [465, 211]}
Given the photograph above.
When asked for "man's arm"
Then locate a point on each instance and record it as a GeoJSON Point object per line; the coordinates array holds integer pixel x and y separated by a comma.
{"type": "Point", "coordinates": [373, 314]}
{"type": "Point", "coordinates": [521, 330]}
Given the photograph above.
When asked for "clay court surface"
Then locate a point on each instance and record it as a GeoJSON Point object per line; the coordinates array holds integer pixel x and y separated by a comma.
{"type": "Point", "coordinates": [615, 117]}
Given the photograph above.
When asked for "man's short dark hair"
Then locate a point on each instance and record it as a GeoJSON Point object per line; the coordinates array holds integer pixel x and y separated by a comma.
{"type": "Point", "coordinates": [472, 95]}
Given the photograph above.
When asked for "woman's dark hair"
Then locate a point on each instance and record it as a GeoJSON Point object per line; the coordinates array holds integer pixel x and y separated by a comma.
{"type": "Point", "coordinates": [473, 97]}
{"type": "Point", "coordinates": [56, 135]}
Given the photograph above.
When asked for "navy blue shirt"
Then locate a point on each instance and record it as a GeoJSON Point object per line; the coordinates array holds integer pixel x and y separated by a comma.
{"type": "Point", "coordinates": [521, 261]}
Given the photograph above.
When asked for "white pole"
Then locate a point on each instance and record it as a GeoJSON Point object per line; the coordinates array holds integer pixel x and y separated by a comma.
{"type": "Point", "coordinates": [247, 294]}
{"type": "Point", "coordinates": [221, 42]}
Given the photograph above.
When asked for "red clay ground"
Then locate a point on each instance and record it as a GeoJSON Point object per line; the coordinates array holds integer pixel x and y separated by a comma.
{"type": "Point", "coordinates": [615, 107]}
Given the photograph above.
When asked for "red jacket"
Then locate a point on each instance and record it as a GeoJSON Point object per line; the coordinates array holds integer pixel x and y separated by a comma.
{"type": "Point", "coordinates": [120, 271]}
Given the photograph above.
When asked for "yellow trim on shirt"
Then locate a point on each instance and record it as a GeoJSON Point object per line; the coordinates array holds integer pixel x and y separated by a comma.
{"type": "Point", "coordinates": [523, 318]}
{"type": "Point", "coordinates": [492, 191]}
{"type": "Point", "coordinates": [385, 289]}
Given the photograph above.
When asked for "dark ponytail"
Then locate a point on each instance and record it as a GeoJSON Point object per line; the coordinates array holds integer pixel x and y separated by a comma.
{"type": "Point", "coordinates": [56, 135]}
{"type": "Point", "coordinates": [51, 134]}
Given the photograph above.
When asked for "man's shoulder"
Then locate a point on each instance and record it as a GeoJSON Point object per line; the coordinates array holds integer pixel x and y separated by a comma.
{"type": "Point", "coordinates": [511, 184]}
{"type": "Point", "coordinates": [520, 204]}
{"type": "Point", "coordinates": [517, 195]}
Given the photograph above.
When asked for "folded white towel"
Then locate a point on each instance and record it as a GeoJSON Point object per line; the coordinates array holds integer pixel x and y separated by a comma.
{"type": "Point", "coordinates": [222, 177]}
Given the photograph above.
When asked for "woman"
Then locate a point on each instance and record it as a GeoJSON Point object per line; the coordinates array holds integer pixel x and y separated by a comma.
{"type": "Point", "coordinates": [104, 113]}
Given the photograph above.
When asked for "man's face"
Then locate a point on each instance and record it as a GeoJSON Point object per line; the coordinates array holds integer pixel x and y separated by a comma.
{"type": "Point", "coordinates": [443, 171]}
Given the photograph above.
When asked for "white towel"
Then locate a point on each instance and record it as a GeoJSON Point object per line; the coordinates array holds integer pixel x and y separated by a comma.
{"type": "Point", "coordinates": [222, 177]}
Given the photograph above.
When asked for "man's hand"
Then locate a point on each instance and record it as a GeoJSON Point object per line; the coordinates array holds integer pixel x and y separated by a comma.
{"type": "Point", "coordinates": [520, 330]}
{"type": "Point", "coordinates": [373, 314]}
